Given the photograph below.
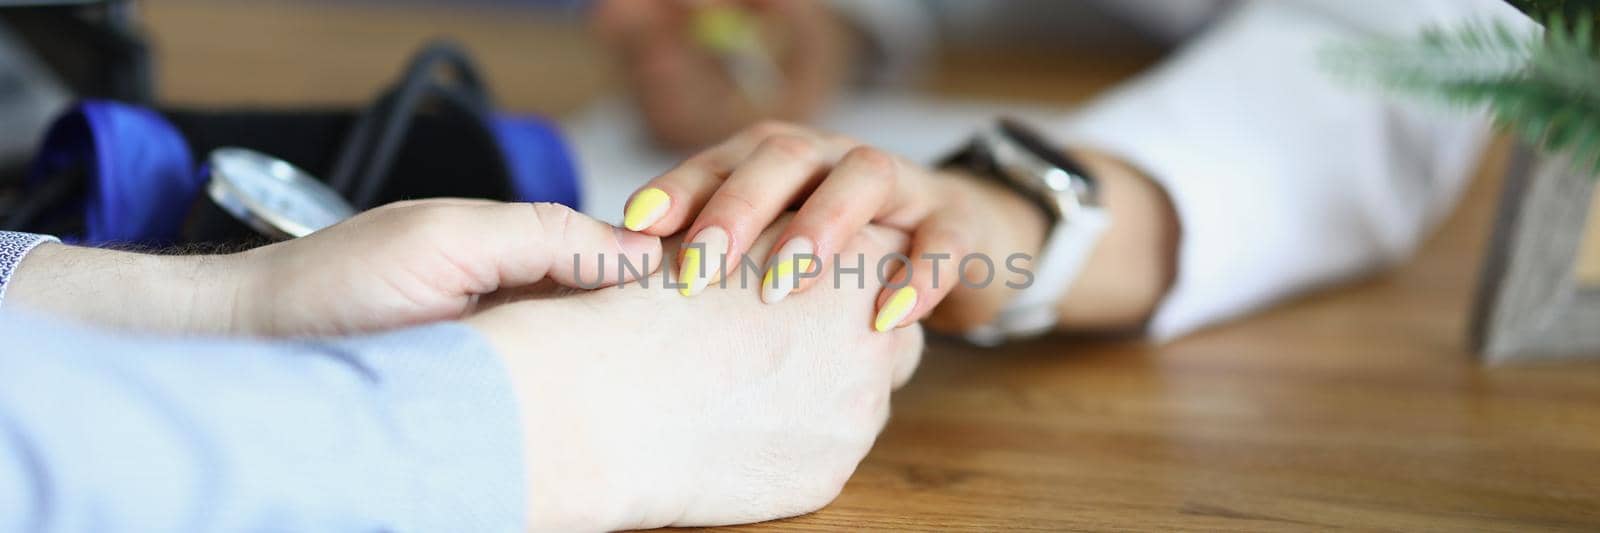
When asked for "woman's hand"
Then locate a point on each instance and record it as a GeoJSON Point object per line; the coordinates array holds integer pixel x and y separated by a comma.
{"type": "Point", "coordinates": [642, 409]}
{"type": "Point", "coordinates": [684, 89]}
{"type": "Point", "coordinates": [724, 197]}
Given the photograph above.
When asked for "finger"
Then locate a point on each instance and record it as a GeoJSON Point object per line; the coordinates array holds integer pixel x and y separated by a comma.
{"type": "Point", "coordinates": [908, 344]}
{"type": "Point", "coordinates": [664, 205]}
{"type": "Point", "coordinates": [868, 184]}
{"type": "Point", "coordinates": [939, 248]}
{"type": "Point", "coordinates": [777, 172]}
{"type": "Point", "coordinates": [532, 242]}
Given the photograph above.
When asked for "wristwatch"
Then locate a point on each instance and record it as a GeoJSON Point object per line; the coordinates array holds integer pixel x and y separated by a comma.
{"type": "Point", "coordinates": [1024, 161]}
{"type": "Point", "coordinates": [270, 195]}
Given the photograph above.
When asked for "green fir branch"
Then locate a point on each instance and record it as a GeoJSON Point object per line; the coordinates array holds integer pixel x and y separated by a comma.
{"type": "Point", "coordinates": [1543, 88]}
{"type": "Point", "coordinates": [1573, 10]}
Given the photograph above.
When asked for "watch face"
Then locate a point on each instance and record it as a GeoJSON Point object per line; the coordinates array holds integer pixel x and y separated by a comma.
{"type": "Point", "coordinates": [1039, 146]}
{"type": "Point", "coordinates": [264, 190]}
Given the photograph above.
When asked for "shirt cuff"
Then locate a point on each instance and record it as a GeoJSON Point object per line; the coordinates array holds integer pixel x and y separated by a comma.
{"type": "Point", "coordinates": [455, 409]}
{"type": "Point", "coordinates": [1284, 179]}
{"type": "Point", "coordinates": [14, 246]}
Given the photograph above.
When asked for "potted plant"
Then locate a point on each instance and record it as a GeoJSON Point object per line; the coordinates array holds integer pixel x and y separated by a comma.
{"type": "Point", "coordinates": [1540, 293]}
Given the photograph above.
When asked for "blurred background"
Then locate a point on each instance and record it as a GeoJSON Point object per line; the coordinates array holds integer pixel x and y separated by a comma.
{"type": "Point", "coordinates": [541, 55]}
{"type": "Point", "coordinates": [538, 56]}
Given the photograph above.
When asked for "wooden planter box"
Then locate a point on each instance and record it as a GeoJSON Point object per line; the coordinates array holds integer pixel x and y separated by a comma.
{"type": "Point", "coordinates": [1539, 297]}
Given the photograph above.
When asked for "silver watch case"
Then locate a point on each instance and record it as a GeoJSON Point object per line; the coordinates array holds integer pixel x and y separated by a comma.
{"type": "Point", "coordinates": [1077, 220]}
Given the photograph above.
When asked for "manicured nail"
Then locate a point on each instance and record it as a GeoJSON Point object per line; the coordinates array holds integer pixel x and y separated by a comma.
{"type": "Point", "coordinates": [792, 260]}
{"type": "Point", "coordinates": [702, 260]}
{"type": "Point", "coordinates": [645, 209]}
{"type": "Point", "coordinates": [895, 309]}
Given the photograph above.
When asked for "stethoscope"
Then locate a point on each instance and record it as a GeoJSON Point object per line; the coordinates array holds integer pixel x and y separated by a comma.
{"type": "Point", "coordinates": [281, 201]}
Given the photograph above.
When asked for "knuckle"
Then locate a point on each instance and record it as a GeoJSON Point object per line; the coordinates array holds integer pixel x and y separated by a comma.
{"type": "Point", "coordinates": [961, 207]}
{"type": "Point", "coordinates": [839, 139]}
{"type": "Point", "coordinates": [768, 128]}
{"type": "Point", "coordinates": [708, 161]}
{"type": "Point", "coordinates": [738, 204]}
{"type": "Point", "coordinates": [547, 215]}
{"type": "Point", "coordinates": [946, 239]}
{"type": "Point", "coordinates": [872, 160]}
{"type": "Point", "coordinates": [550, 209]}
{"type": "Point", "coordinates": [791, 146]}
{"type": "Point", "coordinates": [829, 216]}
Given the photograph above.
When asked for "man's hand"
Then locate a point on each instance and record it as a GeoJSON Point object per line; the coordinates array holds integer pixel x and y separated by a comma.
{"type": "Point", "coordinates": [644, 409]}
{"type": "Point", "coordinates": [398, 265]}
{"type": "Point", "coordinates": [424, 261]}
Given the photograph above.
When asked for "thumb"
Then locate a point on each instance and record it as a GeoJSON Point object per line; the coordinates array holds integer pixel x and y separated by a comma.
{"type": "Point", "coordinates": [908, 343]}
{"type": "Point", "coordinates": [532, 242]}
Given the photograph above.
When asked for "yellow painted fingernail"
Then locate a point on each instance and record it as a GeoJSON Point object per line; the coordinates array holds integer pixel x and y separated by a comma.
{"type": "Point", "coordinates": [696, 272]}
{"type": "Point", "coordinates": [792, 262]}
{"type": "Point", "coordinates": [645, 209]}
{"type": "Point", "coordinates": [895, 310]}
{"type": "Point", "coordinates": [781, 278]}
{"type": "Point", "coordinates": [689, 271]}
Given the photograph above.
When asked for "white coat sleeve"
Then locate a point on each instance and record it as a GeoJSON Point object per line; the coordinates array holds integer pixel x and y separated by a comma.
{"type": "Point", "coordinates": [1283, 176]}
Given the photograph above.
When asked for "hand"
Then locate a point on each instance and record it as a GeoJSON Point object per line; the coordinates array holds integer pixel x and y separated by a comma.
{"type": "Point", "coordinates": [685, 92]}
{"type": "Point", "coordinates": [642, 409]}
{"type": "Point", "coordinates": [424, 261]}
{"type": "Point", "coordinates": [397, 265]}
{"type": "Point", "coordinates": [728, 194]}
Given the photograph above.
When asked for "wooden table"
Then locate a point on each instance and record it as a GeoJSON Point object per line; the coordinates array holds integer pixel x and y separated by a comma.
{"type": "Point", "coordinates": [1359, 406]}
{"type": "Point", "coordinates": [1356, 407]}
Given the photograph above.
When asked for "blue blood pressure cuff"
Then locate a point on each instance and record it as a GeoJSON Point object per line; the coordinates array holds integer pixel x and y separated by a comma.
{"type": "Point", "coordinates": [122, 173]}
{"type": "Point", "coordinates": [111, 172]}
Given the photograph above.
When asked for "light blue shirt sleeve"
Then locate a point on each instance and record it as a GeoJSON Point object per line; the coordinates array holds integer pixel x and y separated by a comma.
{"type": "Point", "coordinates": [414, 430]}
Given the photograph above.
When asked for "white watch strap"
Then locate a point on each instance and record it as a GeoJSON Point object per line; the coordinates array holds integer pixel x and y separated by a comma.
{"type": "Point", "coordinates": [1033, 311]}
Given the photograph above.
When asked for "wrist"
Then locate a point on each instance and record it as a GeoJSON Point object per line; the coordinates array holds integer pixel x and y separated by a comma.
{"type": "Point", "coordinates": [1127, 276]}
{"type": "Point", "coordinates": [1012, 225]}
{"type": "Point", "coordinates": [29, 285]}
{"type": "Point", "coordinates": [1122, 281]}
{"type": "Point", "coordinates": [217, 285]}
{"type": "Point", "coordinates": [504, 327]}
{"type": "Point", "coordinates": [538, 342]}
{"type": "Point", "coordinates": [166, 293]}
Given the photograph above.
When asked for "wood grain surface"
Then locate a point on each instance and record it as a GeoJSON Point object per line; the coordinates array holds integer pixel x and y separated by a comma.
{"type": "Point", "coordinates": [1355, 407]}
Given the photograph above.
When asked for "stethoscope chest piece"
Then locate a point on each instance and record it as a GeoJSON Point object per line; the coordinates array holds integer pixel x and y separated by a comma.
{"type": "Point", "coordinates": [271, 195]}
